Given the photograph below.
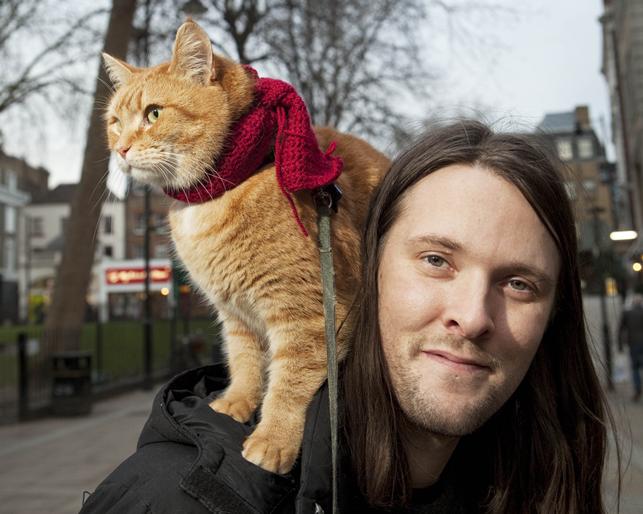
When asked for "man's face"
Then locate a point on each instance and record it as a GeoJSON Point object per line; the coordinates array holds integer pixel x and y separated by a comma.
{"type": "Point", "coordinates": [467, 281]}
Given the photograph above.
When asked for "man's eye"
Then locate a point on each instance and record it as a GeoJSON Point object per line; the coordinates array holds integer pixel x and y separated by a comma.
{"type": "Point", "coordinates": [519, 285]}
{"type": "Point", "coordinates": [436, 261]}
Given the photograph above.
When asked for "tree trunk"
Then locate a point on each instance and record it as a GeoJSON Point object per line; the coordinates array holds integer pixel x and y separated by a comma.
{"type": "Point", "coordinates": [67, 310]}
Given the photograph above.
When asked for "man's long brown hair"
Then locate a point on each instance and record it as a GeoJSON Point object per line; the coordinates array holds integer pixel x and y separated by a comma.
{"type": "Point", "coordinates": [544, 450]}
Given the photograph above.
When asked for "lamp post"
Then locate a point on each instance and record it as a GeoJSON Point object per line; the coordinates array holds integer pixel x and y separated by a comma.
{"type": "Point", "coordinates": [28, 223]}
{"type": "Point", "coordinates": [607, 343]}
{"type": "Point", "coordinates": [147, 312]}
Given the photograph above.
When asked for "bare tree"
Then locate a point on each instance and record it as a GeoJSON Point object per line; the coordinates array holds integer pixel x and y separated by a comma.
{"type": "Point", "coordinates": [350, 58]}
{"type": "Point", "coordinates": [355, 62]}
{"type": "Point", "coordinates": [67, 310]}
{"type": "Point", "coordinates": [40, 48]}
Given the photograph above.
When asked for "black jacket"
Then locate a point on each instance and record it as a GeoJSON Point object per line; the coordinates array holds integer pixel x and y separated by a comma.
{"type": "Point", "coordinates": [188, 461]}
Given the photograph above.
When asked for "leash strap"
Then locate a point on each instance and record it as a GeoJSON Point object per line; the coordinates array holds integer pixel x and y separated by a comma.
{"type": "Point", "coordinates": [326, 199]}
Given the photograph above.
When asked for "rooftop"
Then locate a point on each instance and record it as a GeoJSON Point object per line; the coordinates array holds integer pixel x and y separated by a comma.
{"type": "Point", "coordinates": [63, 193]}
{"type": "Point", "coordinates": [558, 122]}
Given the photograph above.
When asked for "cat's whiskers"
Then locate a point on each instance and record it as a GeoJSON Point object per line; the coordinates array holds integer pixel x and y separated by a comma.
{"type": "Point", "coordinates": [166, 171]}
{"type": "Point", "coordinates": [104, 197]}
{"type": "Point", "coordinates": [167, 166]}
{"type": "Point", "coordinates": [102, 179]}
{"type": "Point", "coordinates": [193, 163]}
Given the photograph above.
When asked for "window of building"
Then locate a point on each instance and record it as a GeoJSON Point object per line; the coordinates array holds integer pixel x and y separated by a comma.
{"type": "Point", "coordinates": [138, 189]}
{"type": "Point", "coordinates": [107, 225]}
{"type": "Point", "coordinates": [108, 251]}
{"type": "Point", "coordinates": [10, 219]}
{"type": "Point", "coordinates": [35, 226]}
{"type": "Point", "coordinates": [12, 181]}
{"type": "Point", "coordinates": [565, 150]}
{"type": "Point", "coordinates": [589, 185]}
{"type": "Point", "coordinates": [139, 224]}
{"type": "Point", "coordinates": [585, 147]}
{"type": "Point", "coordinates": [160, 251]}
{"type": "Point", "coordinates": [571, 190]}
{"type": "Point", "coordinates": [9, 260]}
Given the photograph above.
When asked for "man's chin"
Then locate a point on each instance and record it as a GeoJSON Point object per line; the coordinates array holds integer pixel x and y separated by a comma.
{"type": "Point", "coordinates": [451, 418]}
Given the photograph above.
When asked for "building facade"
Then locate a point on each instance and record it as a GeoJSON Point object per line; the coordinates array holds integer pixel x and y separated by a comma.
{"type": "Point", "coordinates": [589, 177]}
{"type": "Point", "coordinates": [18, 183]}
{"type": "Point", "coordinates": [45, 220]}
{"type": "Point", "coordinates": [190, 302]}
{"type": "Point", "coordinates": [622, 23]}
{"type": "Point", "coordinates": [160, 242]}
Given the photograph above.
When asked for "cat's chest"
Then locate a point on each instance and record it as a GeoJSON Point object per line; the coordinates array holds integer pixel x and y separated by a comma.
{"type": "Point", "coordinates": [202, 236]}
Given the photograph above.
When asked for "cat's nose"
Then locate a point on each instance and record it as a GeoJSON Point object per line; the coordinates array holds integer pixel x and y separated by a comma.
{"type": "Point", "coordinates": [123, 151]}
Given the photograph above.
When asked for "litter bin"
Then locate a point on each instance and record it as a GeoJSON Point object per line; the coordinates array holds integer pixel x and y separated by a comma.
{"type": "Point", "coordinates": [72, 383]}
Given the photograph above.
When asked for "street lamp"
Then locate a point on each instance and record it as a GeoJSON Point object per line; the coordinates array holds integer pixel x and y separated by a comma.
{"type": "Point", "coordinates": [623, 235]}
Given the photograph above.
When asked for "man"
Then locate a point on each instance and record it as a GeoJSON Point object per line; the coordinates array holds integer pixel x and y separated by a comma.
{"type": "Point", "coordinates": [631, 334]}
{"type": "Point", "coordinates": [469, 387]}
{"type": "Point", "coordinates": [479, 358]}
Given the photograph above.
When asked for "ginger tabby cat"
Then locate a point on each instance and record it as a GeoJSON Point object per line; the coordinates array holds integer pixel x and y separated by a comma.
{"type": "Point", "coordinates": [167, 125]}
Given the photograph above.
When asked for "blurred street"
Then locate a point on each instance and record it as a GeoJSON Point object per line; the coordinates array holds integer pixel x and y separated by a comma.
{"type": "Point", "coordinates": [46, 465]}
{"type": "Point", "coordinates": [629, 420]}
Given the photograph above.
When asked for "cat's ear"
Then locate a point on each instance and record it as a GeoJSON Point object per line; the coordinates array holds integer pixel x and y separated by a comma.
{"type": "Point", "coordinates": [119, 72]}
{"type": "Point", "coordinates": [192, 54]}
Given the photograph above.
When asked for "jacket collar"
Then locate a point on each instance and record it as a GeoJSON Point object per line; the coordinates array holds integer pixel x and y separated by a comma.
{"type": "Point", "coordinates": [220, 478]}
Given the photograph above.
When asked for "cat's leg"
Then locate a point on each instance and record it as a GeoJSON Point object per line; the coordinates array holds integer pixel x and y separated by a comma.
{"type": "Point", "coordinates": [246, 358]}
{"type": "Point", "coordinates": [296, 371]}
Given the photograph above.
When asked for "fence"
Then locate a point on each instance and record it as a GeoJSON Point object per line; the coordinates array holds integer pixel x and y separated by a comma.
{"type": "Point", "coordinates": [119, 360]}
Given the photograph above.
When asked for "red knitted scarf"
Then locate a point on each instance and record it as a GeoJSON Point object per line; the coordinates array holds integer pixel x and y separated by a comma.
{"type": "Point", "coordinates": [277, 117]}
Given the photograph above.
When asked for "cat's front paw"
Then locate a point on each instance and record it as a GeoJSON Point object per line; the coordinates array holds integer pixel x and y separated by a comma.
{"type": "Point", "coordinates": [237, 407]}
{"type": "Point", "coordinates": [270, 453]}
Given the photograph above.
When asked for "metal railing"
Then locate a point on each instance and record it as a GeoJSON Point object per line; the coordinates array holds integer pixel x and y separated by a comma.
{"type": "Point", "coordinates": [118, 358]}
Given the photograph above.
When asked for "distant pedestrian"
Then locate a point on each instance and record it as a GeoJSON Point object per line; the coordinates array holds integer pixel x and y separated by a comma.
{"type": "Point", "coordinates": [631, 333]}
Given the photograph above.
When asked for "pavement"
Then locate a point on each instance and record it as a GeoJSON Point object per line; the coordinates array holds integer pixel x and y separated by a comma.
{"type": "Point", "coordinates": [46, 465]}
{"type": "Point", "coordinates": [629, 423]}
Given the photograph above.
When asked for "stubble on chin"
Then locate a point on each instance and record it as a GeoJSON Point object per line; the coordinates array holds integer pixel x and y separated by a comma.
{"type": "Point", "coordinates": [426, 409]}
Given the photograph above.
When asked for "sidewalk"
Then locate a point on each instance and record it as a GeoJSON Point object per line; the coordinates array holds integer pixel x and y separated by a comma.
{"type": "Point", "coordinates": [46, 465]}
{"type": "Point", "coordinates": [629, 420]}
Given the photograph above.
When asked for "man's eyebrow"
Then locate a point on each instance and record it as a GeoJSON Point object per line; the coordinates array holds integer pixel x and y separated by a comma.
{"type": "Point", "coordinates": [434, 239]}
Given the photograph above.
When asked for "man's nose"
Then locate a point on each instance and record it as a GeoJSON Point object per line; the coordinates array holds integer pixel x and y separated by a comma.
{"type": "Point", "coordinates": [469, 310]}
{"type": "Point", "coordinates": [123, 150]}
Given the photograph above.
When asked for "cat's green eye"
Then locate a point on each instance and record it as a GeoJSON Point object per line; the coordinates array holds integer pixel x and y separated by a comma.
{"type": "Point", "coordinates": [153, 114]}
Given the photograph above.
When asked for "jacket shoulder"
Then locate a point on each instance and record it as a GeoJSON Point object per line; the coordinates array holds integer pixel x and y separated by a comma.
{"type": "Point", "coordinates": [148, 482]}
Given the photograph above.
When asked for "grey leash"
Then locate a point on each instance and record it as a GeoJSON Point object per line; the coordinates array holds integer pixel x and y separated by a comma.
{"type": "Point", "coordinates": [326, 200]}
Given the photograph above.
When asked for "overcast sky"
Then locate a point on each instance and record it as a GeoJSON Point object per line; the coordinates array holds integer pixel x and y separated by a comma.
{"type": "Point", "coordinates": [548, 59]}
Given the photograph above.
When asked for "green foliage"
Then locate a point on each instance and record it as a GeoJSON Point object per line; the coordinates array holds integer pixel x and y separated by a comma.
{"type": "Point", "coordinates": [122, 347]}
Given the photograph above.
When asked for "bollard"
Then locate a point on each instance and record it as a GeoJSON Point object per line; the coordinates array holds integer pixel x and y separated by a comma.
{"type": "Point", "coordinates": [23, 377]}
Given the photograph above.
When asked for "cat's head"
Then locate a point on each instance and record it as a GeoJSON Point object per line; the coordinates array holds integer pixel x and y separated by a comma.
{"type": "Point", "coordinates": [166, 124]}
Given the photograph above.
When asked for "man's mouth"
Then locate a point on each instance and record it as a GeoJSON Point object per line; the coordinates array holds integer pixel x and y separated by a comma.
{"type": "Point", "coordinates": [457, 362]}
